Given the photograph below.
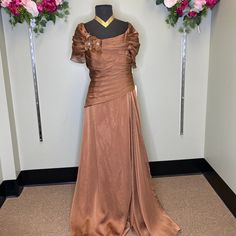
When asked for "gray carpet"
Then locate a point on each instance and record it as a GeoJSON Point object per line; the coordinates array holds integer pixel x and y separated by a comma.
{"type": "Point", "coordinates": [189, 200]}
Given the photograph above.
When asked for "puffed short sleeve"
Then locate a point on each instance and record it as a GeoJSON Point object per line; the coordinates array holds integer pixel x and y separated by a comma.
{"type": "Point", "coordinates": [133, 45]}
{"type": "Point", "coordinates": [78, 45]}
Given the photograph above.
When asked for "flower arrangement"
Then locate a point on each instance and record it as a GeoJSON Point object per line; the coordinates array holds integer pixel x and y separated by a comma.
{"type": "Point", "coordinates": [41, 11]}
{"type": "Point", "coordinates": [191, 12]}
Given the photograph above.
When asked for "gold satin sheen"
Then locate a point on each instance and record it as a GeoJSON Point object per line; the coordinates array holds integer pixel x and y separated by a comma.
{"type": "Point", "coordinates": [114, 191]}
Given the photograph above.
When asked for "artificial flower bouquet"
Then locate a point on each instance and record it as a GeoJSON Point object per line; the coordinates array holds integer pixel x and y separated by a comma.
{"type": "Point", "coordinates": [191, 12]}
{"type": "Point", "coordinates": [41, 11]}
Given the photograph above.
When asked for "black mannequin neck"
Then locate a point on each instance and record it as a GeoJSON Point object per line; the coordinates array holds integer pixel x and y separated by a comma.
{"type": "Point", "coordinates": [115, 28]}
{"type": "Point", "coordinates": [104, 11]}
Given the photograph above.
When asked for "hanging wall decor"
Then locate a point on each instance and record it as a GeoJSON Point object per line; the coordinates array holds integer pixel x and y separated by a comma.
{"type": "Point", "coordinates": [36, 13]}
{"type": "Point", "coordinates": [189, 14]}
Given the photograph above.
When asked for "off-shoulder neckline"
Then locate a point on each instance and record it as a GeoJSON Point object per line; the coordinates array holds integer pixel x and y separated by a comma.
{"type": "Point", "coordinates": [109, 38]}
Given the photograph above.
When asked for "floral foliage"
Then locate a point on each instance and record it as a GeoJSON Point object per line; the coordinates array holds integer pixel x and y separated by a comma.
{"type": "Point", "coordinates": [190, 11]}
{"type": "Point", "coordinates": [41, 11]}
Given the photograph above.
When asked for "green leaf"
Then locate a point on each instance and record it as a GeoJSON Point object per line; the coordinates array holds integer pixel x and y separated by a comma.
{"type": "Point", "coordinates": [43, 23]}
{"type": "Point", "coordinates": [181, 29]}
{"type": "Point", "coordinates": [28, 19]}
{"type": "Point", "coordinates": [47, 16]}
{"type": "Point", "coordinates": [158, 2]}
{"type": "Point", "coordinates": [67, 12]}
{"type": "Point", "coordinates": [53, 18]}
{"type": "Point", "coordinates": [198, 20]}
{"type": "Point", "coordinates": [65, 4]}
{"type": "Point", "coordinates": [192, 24]}
{"type": "Point", "coordinates": [60, 15]}
{"type": "Point", "coordinates": [39, 17]}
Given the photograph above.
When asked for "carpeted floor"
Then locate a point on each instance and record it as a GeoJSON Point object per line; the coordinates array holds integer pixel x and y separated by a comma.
{"type": "Point", "coordinates": [189, 200]}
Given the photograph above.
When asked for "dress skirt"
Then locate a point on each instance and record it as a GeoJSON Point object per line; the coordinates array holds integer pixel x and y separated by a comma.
{"type": "Point", "coordinates": [114, 191]}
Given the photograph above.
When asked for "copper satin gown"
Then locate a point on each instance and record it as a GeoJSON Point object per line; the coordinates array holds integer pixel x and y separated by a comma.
{"type": "Point", "coordinates": [114, 191]}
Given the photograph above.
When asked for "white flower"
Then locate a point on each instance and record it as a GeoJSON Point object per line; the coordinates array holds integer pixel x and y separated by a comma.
{"type": "Point", "coordinates": [198, 4]}
{"type": "Point", "coordinates": [5, 3]}
{"type": "Point", "coordinates": [31, 7]}
{"type": "Point", "coordinates": [58, 2]}
{"type": "Point", "coordinates": [170, 3]}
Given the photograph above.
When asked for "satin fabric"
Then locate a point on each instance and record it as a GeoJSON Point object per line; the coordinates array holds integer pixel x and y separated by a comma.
{"type": "Point", "coordinates": [109, 61]}
{"type": "Point", "coordinates": [114, 190]}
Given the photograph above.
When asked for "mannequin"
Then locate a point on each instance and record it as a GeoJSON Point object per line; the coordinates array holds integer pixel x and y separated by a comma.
{"type": "Point", "coordinates": [115, 28]}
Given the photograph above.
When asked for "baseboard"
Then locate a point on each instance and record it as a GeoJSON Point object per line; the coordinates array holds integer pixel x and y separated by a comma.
{"type": "Point", "coordinates": [222, 189]}
{"type": "Point", "coordinates": [10, 188]}
{"type": "Point", "coordinates": [2, 195]}
{"type": "Point", "coordinates": [178, 167]}
{"type": "Point", "coordinates": [47, 176]}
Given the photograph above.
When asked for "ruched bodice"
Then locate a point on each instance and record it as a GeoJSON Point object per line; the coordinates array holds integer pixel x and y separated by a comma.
{"type": "Point", "coordinates": [109, 60]}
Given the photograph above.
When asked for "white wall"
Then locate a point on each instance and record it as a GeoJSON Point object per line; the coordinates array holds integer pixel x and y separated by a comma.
{"type": "Point", "coordinates": [9, 157]}
{"type": "Point", "coordinates": [2, 104]}
{"type": "Point", "coordinates": [1, 79]}
{"type": "Point", "coordinates": [1, 174]}
{"type": "Point", "coordinates": [63, 86]}
{"type": "Point", "coordinates": [7, 168]}
{"type": "Point", "coordinates": [220, 147]}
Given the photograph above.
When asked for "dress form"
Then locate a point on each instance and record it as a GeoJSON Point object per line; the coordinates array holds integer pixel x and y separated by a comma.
{"type": "Point", "coordinates": [115, 28]}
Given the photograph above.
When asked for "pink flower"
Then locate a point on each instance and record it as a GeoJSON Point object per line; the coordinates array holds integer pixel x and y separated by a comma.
{"type": "Point", "coordinates": [31, 7]}
{"type": "Point", "coordinates": [58, 2]}
{"type": "Point", "coordinates": [5, 3]}
{"type": "Point", "coordinates": [211, 3]}
{"type": "Point", "coordinates": [192, 13]}
{"type": "Point", "coordinates": [40, 7]}
{"type": "Point", "coordinates": [198, 4]}
{"type": "Point", "coordinates": [170, 3]}
{"type": "Point", "coordinates": [14, 6]}
{"type": "Point", "coordinates": [47, 5]}
{"type": "Point", "coordinates": [180, 9]}
{"type": "Point", "coordinates": [184, 4]}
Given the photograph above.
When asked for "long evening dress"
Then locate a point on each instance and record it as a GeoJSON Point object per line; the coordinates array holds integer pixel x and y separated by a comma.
{"type": "Point", "coordinates": [114, 191]}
